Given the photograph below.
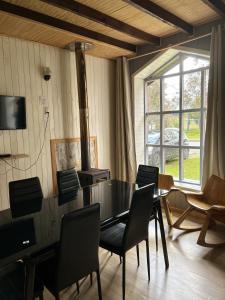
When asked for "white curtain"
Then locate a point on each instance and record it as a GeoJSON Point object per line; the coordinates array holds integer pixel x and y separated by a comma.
{"type": "Point", "coordinates": [125, 143]}
{"type": "Point", "coordinates": [214, 150]}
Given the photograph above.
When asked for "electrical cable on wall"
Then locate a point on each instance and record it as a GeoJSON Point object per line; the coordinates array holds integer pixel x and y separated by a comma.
{"type": "Point", "coordinates": [39, 154]}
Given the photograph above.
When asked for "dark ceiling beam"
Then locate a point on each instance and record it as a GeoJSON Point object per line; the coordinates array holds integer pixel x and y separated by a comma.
{"type": "Point", "coordinates": [63, 25]}
{"type": "Point", "coordinates": [217, 5]}
{"type": "Point", "coordinates": [154, 10]}
{"type": "Point", "coordinates": [106, 20]}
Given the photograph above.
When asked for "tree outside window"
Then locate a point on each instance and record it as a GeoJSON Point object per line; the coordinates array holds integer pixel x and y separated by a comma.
{"type": "Point", "coordinates": [175, 112]}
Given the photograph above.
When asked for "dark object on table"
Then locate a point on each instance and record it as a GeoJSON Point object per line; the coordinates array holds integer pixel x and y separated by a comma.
{"type": "Point", "coordinates": [12, 281]}
{"type": "Point", "coordinates": [68, 185]}
{"type": "Point", "coordinates": [77, 253]}
{"type": "Point", "coordinates": [16, 237]}
{"type": "Point", "coordinates": [25, 196]}
{"type": "Point", "coordinates": [122, 237]}
{"type": "Point", "coordinates": [93, 176]}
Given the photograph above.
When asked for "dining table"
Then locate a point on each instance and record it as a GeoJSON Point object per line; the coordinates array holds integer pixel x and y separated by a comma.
{"type": "Point", "coordinates": [32, 235]}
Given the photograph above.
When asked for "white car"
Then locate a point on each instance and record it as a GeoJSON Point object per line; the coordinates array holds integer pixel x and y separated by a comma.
{"type": "Point", "coordinates": [171, 138]}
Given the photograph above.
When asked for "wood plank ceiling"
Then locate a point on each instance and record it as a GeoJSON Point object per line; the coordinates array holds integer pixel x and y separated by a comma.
{"type": "Point", "coordinates": [114, 27]}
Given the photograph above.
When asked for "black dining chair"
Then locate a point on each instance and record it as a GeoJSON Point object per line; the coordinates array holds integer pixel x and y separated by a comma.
{"type": "Point", "coordinates": [68, 185]}
{"type": "Point", "coordinates": [25, 196]}
{"type": "Point", "coordinates": [12, 283]}
{"type": "Point", "coordinates": [122, 237]}
{"type": "Point", "coordinates": [77, 252]}
{"type": "Point", "coordinates": [146, 175]}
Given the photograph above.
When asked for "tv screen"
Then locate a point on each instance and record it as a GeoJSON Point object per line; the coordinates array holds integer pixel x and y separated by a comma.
{"type": "Point", "coordinates": [12, 113]}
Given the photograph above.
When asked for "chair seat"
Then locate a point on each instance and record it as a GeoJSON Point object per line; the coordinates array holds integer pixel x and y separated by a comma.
{"type": "Point", "coordinates": [12, 282]}
{"type": "Point", "coordinates": [112, 238]}
{"type": "Point", "coordinates": [199, 204]}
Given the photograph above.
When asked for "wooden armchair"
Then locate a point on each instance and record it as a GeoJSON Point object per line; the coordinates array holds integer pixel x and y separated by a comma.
{"type": "Point", "coordinates": [210, 202]}
{"type": "Point", "coordinates": [166, 182]}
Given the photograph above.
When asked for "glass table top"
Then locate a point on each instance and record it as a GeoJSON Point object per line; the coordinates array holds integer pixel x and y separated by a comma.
{"type": "Point", "coordinates": [25, 235]}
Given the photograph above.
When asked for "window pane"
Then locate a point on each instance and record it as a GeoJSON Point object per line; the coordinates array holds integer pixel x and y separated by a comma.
{"type": "Point", "coordinates": [191, 129]}
{"type": "Point", "coordinates": [192, 90]}
{"type": "Point", "coordinates": [206, 80]}
{"type": "Point", "coordinates": [153, 156]}
{"type": "Point", "coordinates": [171, 129]}
{"type": "Point", "coordinates": [171, 93]}
{"type": "Point", "coordinates": [153, 129]}
{"type": "Point", "coordinates": [171, 161]}
{"type": "Point", "coordinates": [192, 62]}
{"type": "Point", "coordinates": [191, 164]}
{"type": "Point", "coordinates": [153, 96]}
{"type": "Point", "coordinates": [173, 70]}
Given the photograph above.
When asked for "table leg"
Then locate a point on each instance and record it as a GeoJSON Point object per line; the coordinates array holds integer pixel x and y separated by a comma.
{"type": "Point", "coordinates": [29, 281]}
{"type": "Point", "coordinates": [163, 238]}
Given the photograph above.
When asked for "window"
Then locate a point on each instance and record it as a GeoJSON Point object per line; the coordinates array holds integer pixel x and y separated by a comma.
{"type": "Point", "coordinates": [175, 114]}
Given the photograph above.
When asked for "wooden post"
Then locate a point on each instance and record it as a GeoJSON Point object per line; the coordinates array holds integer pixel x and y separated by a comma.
{"type": "Point", "coordinates": [83, 107]}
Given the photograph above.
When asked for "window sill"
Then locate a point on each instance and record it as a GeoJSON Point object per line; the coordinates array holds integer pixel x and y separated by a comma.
{"type": "Point", "coordinates": [188, 186]}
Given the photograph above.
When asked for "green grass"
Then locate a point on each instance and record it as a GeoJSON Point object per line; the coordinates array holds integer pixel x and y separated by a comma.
{"type": "Point", "coordinates": [172, 168]}
{"type": "Point", "coordinates": [191, 168]}
{"type": "Point", "coordinates": [193, 134]}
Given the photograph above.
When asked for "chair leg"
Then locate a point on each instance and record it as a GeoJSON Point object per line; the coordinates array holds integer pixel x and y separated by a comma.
{"type": "Point", "coordinates": [124, 276]}
{"type": "Point", "coordinates": [202, 236]}
{"type": "Point", "coordinates": [148, 258]}
{"type": "Point", "coordinates": [138, 256]}
{"type": "Point", "coordinates": [120, 260]}
{"type": "Point", "coordinates": [182, 218]}
{"type": "Point", "coordinates": [212, 223]}
{"type": "Point", "coordinates": [167, 211]}
{"type": "Point", "coordinates": [156, 233]}
{"type": "Point", "coordinates": [41, 297]}
{"type": "Point", "coordinates": [99, 285]}
{"type": "Point", "coordinates": [78, 287]}
{"type": "Point", "coordinates": [91, 278]}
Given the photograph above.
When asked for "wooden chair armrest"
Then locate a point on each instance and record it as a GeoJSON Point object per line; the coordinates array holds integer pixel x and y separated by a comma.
{"type": "Point", "coordinates": [173, 188]}
{"type": "Point", "coordinates": [185, 192]}
{"type": "Point", "coordinates": [217, 208]}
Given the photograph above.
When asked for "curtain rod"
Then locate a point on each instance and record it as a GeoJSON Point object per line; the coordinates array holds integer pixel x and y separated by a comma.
{"type": "Point", "coordinates": [169, 47]}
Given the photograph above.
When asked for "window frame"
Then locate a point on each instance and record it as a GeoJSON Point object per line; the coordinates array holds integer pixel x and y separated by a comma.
{"type": "Point", "coordinates": [201, 110]}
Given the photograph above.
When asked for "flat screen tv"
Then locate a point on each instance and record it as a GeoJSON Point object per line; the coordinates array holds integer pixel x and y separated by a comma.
{"type": "Point", "coordinates": [12, 113]}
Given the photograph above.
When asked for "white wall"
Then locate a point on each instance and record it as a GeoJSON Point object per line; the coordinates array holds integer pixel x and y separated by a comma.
{"type": "Point", "coordinates": [20, 74]}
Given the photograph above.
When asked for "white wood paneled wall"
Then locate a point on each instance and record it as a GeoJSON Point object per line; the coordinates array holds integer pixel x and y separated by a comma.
{"type": "Point", "coordinates": [21, 65]}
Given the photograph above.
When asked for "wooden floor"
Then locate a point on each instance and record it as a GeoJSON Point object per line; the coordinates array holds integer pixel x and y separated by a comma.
{"type": "Point", "coordinates": [195, 273]}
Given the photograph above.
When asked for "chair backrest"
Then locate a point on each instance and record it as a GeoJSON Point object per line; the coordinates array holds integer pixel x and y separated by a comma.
{"type": "Point", "coordinates": [78, 249]}
{"type": "Point", "coordinates": [68, 185]}
{"type": "Point", "coordinates": [214, 190]}
{"type": "Point", "coordinates": [147, 175]}
{"type": "Point", "coordinates": [165, 181]}
{"type": "Point", "coordinates": [139, 215]}
{"type": "Point", "coordinates": [25, 196]}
